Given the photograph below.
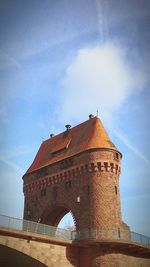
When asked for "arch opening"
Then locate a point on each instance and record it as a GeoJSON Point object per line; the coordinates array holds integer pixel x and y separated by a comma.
{"type": "Point", "coordinates": [61, 217]}
{"type": "Point", "coordinates": [67, 222]}
{"type": "Point", "coordinates": [12, 257]}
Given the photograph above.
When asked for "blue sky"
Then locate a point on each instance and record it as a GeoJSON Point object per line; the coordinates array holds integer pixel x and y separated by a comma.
{"type": "Point", "coordinates": [62, 60]}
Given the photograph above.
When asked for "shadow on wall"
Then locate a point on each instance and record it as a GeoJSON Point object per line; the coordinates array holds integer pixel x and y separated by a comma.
{"type": "Point", "coordinates": [83, 256]}
{"type": "Point", "coordinates": [11, 257]}
{"type": "Point", "coordinates": [72, 255]}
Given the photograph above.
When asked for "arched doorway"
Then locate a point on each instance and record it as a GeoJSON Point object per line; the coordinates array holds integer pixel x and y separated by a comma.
{"type": "Point", "coordinates": [59, 216]}
{"type": "Point", "coordinates": [67, 222]}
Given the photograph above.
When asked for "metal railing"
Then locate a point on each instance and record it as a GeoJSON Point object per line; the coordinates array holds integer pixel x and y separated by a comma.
{"type": "Point", "coordinates": [142, 239]}
{"type": "Point", "coordinates": [98, 234]}
{"type": "Point", "coordinates": [89, 234]}
{"type": "Point", "coordinates": [34, 227]}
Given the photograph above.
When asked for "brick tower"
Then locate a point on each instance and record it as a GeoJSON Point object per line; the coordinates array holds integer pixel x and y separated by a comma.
{"type": "Point", "coordinates": [76, 171]}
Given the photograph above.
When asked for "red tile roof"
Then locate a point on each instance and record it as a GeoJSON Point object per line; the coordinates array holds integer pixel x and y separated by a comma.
{"type": "Point", "coordinates": [87, 135]}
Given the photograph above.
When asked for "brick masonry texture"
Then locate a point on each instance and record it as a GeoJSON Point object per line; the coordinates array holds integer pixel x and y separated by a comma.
{"type": "Point", "coordinates": [93, 176]}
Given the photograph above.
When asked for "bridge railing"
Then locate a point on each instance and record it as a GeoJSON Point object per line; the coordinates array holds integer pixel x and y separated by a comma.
{"type": "Point", "coordinates": [34, 227]}
{"type": "Point", "coordinates": [142, 239]}
{"type": "Point", "coordinates": [89, 234]}
{"type": "Point", "coordinates": [98, 234]}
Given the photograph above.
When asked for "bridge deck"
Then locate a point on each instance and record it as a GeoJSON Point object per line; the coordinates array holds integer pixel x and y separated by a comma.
{"type": "Point", "coordinates": [116, 246]}
{"type": "Point", "coordinates": [138, 246]}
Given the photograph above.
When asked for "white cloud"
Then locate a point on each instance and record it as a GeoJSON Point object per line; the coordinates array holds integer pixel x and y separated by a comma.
{"type": "Point", "coordinates": [99, 78]}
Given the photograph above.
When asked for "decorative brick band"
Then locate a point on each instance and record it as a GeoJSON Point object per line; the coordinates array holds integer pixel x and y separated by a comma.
{"type": "Point", "coordinates": [41, 183]}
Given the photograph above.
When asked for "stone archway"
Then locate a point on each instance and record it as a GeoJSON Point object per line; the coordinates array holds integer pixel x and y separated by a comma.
{"type": "Point", "coordinates": [12, 257]}
{"type": "Point", "coordinates": [53, 215]}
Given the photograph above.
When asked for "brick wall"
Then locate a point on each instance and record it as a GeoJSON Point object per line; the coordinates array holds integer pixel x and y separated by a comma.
{"type": "Point", "coordinates": [93, 176]}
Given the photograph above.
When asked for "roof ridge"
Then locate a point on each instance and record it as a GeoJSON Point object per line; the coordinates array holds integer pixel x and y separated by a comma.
{"type": "Point", "coordinates": [59, 134]}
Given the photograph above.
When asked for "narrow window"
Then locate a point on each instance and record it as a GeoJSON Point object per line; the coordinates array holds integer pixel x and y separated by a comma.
{"type": "Point", "coordinates": [86, 167]}
{"type": "Point", "coordinates": [88, 189]}
{"type": "Point", "coordinates": [116, 155]}
{"type": "Point", "coordinates": [106, 165]}
{"type": "Point", "coordinates": [69, 173]}
{"type": "Point", "coordinates": [99, 166]}
{"type": "Point", "coordinates": [112, 166]}
{"type": "Point", "coordinates": [92, 167]}
{"type": "Point", "coordinates": [119, 232]}
{"type": "Point", "coordinates": [67, 185]}
{"type": "Point", "coordinates": [78, 199]}
{"type": "Point", "coordinates": [116, 168]}
{"type": "Point", "coordinates": [116, 190]}
{"type": "Point", "coordinates": [43, 192]}
{"type": "Point", "coordinates": [54, 192]}
{"type": "Point", "coordinates": [61, 177]}
{"type": "Point", "coordinates": [82, 169]}
{"type": "Point", "coordinates": [77, 170]}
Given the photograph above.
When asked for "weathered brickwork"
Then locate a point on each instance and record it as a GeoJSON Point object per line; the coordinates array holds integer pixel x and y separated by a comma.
{"type": "Point", "coordinates": [98, 257]}
{"type": "Point", "coordinates": [93, 176]}
{"type": "Point", "coordinates": [119, 260]}
{"type": "Point", "coordinates": [35, 182]}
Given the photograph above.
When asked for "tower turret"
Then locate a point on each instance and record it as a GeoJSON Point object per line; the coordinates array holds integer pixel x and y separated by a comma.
{"type": "Point", "coordinates": [77, 171]}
